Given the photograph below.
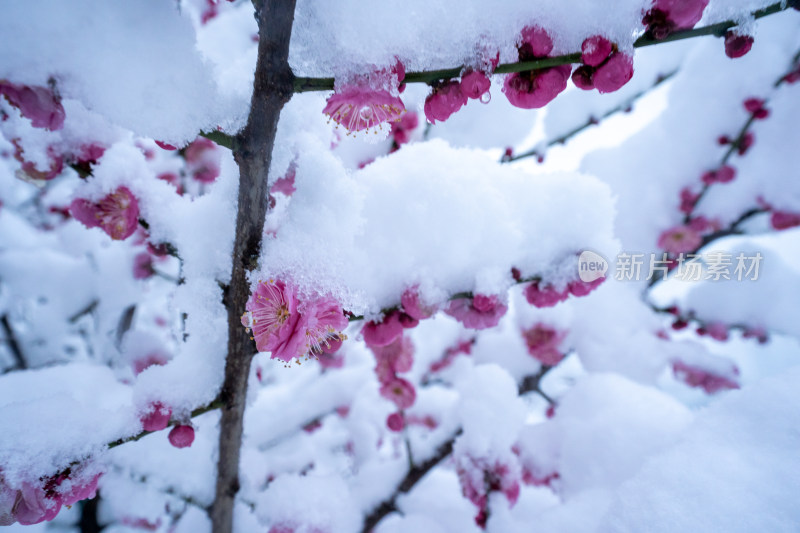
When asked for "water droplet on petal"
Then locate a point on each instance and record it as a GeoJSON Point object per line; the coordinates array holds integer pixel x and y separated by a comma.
{"type": "Point", "coordinates": [486, 97]}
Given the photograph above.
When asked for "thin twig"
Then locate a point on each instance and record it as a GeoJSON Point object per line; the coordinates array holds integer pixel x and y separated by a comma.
{"type": "Point", "coordinates": [13, 345]}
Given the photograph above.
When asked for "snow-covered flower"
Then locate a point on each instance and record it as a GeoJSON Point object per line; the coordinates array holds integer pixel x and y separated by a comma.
{"type": "Point", "coordinates": [117, 213]}
{"type": "Point", "coordinates": [360, 108]}
{"type": "Point", "coordinates": [287, 327]}
{"type": "Point", "coordinates": [39, 104]}
{"type": "Point", "coordinates": [543, 343]}
{"type": "Point", "coordinates": [479, 312]}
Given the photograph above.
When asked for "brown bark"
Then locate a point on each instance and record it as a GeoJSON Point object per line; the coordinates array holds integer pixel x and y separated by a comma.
{"type": "Point", "coordinates": [272, 88]}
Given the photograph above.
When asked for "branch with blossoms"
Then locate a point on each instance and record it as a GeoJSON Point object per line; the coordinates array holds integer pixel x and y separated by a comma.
{"type": "Point", "coordinates": [539, 152]}
{"type": "Point", "coordinates": [651, 37]}
{"type": "Point", "coordinates": [696, 232]}
{"type": "Point", "coordinates": [443, 451]}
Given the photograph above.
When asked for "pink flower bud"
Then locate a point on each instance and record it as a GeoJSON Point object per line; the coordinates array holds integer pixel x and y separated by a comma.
{"type": "Point", "coordinates": [156, 418]}
{"type": "Point", "coordinates": [737, 45]}
{"type": "Point", "coordinates": [582, 77]}
{"type": "Point", "coordinates": [474, 84]}
{"type": "Point", "coordinates": [781, 220]}
{"type": "Point", "coordinates": [614, 73]}
{"type": "Point", "coordinates": [383, 333]}
{"type": "Point", "coordinates": [544, 296]}
{"type": "Point", "coordinates": [181, 436]}
{"type": "Point", "coordinates": [444, 100]}
{"type": "Point", "coordinates": [595, 50]}
{"type": "Point", "coordinates": [395, 422]}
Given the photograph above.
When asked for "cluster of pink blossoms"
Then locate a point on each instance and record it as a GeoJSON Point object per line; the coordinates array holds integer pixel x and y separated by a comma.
{"type": "Point", "coordinates": [535, 88]}
{"type": "Point", "coordinates": [290, 328]}
{"type": "Point", "coordinates": [604, 67]}
{"type": "Point", "coordinates": [479, 477]}
{"type": "Point", "coordinates": [541, 294]}
{"type": "Point", "coordinates": [41, 501]}
{"type": "Point", "coordinates": [710, 382]}
{"type": "Point", "coordinates": [715, 330]}
{"type": "Point", "coordinates": [116, 213]}
{"type": "Point", "coordinates": [449, 96]}
{"type": "Point", "coordinates": [157, 417]}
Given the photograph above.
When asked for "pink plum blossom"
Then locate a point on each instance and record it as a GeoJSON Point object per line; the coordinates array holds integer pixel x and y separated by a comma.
{"type": "Point", "coordinates": [445, 99]}
{"type": "Point", "coordinates": [614, 73]}
{"type": "Point", "coordinates": [403, 128]}
{"type": "Point", "coordinates": [710, 382]}
{"type": "Point", "coordinates": [745, 143]}
{"type": "Point", "coordinates": [117, 213]}
{"type": "Point", "coordinates": [393, 358]}
{"type": "Point", "coordinates": [395, 422]}
{"type": "Point", "coordinates": [595, 50]}
{"type": "Point", "coordinates": [289, 328]}
{"type": "Point", "coordinates": [39, 104]}
{"type": "Point", "coordinates": [36, 502]}
{"type": "Point", "coordinates": [156, 418]}
{"type": "Point", "coordinates": [667, 16]}
{"type": "Point", "coordinates": [737, 45]}
{"type": "Point", "coordinates": [781, 220]}
{"type": "Point", "coordinates": [413, 306]}
{"type": "Point", "coordinates": [755, 106]}
{"type": "Point", "coordinates": [536, 88]}
{"type": "Point", "coordinates": [581, 288]}
{"type": "Point", "coordinates": [383, 333]}
{"type": "Point", "coordinates": [544, 296]}
{"type": "Point", "coordinates": [151, 359]}
{"type": "Point", "coordinates": [479, 477]}
{"type": "Point", "coordinates": [479, 312]}
{"type": "Point", "coordinates": [166, 146]}
{"type": "Point", "coordinates": [181, 436]}
{"type": "Point", "coordinates": [399, 391]}
{"type": "Point", "coordinates": [203, 159]}
{"type": "Point", "coordinates": [583, 77]}
{"type": "Point", "coordinates": [723, 174]}
{"type": "Point", "coordinates": [474, 84]}
{"type": "Point", "coordinates": [717, 331]}
{"type": "Point", "coordinates": [688, 200]}
{"type": "Point", "coordinates": [143, 265]}
{"type": "Point", "coordinates": [543, 343]}
{"type": "Point", "coordinates": [536, 42]}
{"type": "Point", "coordinates": [360, 108]}
{"type": "Point", "coordinates": [679, 239]}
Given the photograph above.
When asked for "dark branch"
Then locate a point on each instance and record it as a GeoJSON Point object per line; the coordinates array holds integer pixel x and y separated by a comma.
{"type": "Point", "coordinates": [13, 345]}
{"type": "Point", "coordinates": [303, 84]}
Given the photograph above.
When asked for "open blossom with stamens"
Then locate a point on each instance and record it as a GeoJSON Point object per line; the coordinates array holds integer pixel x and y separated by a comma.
{"type": "Point", "coordinates": [361, 108]}
{"type": "Point", "coordinates": [39, 104]}
{"type": "Point", "coordinates": [679, 239]}
{"type": "Point", "coordinates": [480, 312]}
{"type": "Point", "coordinates": [117, 213]}
{"type": "Point", "coordinates": [399, 391]}
{"type": "Point", "coordinates": [289, 328]}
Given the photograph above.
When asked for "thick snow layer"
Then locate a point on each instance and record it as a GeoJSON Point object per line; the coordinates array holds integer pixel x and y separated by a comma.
{"type": "Point", "coordinates": [136, 64]}
{"type": "Point", "coordinates": [736, 469]}
{"type": "Point", "coordinates": [451, 219]}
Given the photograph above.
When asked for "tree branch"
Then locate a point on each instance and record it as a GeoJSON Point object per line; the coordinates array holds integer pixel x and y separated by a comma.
{"type": "Point", "coordinates": [592, 121]}
{"type": "Point", "coordinates": [13, 345]}
{"type": "Point", "coordinates": [415, 475]}
{"type": "Point", "coordinates": [306, 84]}
{"type": "Point", "coordinates": [252, 150]}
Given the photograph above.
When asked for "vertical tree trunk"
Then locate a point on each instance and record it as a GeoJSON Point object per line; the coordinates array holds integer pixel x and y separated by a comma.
{"type": "Point", "coordinates": [253, 152]}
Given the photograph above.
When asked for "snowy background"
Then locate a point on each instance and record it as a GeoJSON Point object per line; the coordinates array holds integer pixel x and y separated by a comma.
{"type": "Point", "coordinates": [672, 406]}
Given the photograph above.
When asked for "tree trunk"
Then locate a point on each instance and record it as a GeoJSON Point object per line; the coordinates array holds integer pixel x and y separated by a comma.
{"type": "Point", "coordinates": [253, 153]}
